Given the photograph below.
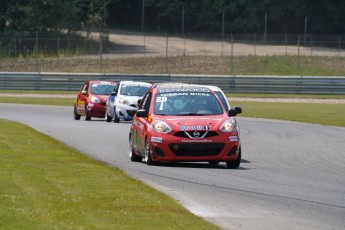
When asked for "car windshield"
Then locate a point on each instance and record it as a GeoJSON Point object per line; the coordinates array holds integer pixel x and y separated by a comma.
{"type": "Point", "coordinates": [101, 88]}
{"type": "Point", "coordinates": [187, 104]}
{"type": "Point", "coordinates": [134, 90]}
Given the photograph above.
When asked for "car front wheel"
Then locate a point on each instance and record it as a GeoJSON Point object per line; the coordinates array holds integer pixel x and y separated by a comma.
{"type": "Point", "coordinates": [76, 115]}
{"type": "Point", "coordinates": [132, 155]}
{"type": "Point", "coordinates": [235, 163]}
{"type": "Point", "coordinates": [87, 117]}
{"type": "Point", "coordinates": [107, 117]}
{"type": "Point", "coordinates": [148, 158]}
{"type": "Point", "coordinates": [116, 118]}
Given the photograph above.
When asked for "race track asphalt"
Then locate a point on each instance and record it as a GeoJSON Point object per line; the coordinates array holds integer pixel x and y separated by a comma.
{"type": "Point", "coordinates": [292, 175]}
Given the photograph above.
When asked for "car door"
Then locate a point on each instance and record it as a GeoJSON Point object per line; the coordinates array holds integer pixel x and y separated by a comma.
{"type": "Point", "coordinates": [82, 98]}
{"type": "Point", "coordinates": [141, 124]}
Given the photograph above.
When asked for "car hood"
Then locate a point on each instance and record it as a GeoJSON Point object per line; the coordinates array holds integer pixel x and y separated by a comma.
{"type": "Point", "coordinates": [190, 123]}
{"type": "Point", "coordinates": [132, 100]}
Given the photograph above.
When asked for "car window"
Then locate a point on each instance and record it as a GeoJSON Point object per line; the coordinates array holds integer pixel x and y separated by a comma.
{"type": "Point", "coordinates": [85, 87]}
{"type": "Point", "coordinates": [101, 88]}
{"type": "Point", "coordinates": [223, 100]}
{"type": "Point", "coordinates": [146, 102]}
{"type": "Point", "coordinates": [134, 90]}
{"type": "Point", "coordinates": [187, 103]}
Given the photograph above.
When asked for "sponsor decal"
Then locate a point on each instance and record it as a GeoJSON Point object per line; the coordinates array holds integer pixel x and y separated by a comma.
{"type": "Point", "coordinates": [184, 128]}
{"type": "Point", "coordinates": [195, 127]}
{"type": "Point", "coordinates": [156, 139]}
{"type": "Point", "coordinates": [196, 141]}
{"type": "Point", "coordinates": [138, 124]}
{"type": "Point", "coordinates": [233, 138]}
{"type": "Point", "coordinates": [172, 90]}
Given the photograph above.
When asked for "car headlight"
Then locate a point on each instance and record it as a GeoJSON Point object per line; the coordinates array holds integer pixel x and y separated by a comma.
{"type": "Point", "coordinates": [227, 126]}
{"type": "Point", "coordinates": [95, 100]}
{"type": "Point", "coordinates": [161, 127]}
{"type": "Point", "coordinates": [123, 100]}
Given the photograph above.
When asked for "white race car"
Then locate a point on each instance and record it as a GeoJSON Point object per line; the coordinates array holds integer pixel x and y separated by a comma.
{"type": "Point", "coordinates": [123, 101]}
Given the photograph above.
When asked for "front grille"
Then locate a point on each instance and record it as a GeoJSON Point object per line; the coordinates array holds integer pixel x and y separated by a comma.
{"type": "Point", "coordinates": [190, 134]}
{"type": "Point", "coordinates": [196, 149]}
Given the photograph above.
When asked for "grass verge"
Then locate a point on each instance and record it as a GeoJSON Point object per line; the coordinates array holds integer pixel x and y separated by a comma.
{"type": "Point", "coordinates": [324, 114]}
{"type": "Point", "coordinates": [47, 185]}
{"type": "Point", "coordinates": [38, 101]}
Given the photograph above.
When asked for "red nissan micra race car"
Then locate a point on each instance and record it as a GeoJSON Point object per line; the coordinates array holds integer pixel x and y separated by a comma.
{"type": "Point", "coordinates": [92, 98]}
{"type": "Point", "coordinates": [181, 122]}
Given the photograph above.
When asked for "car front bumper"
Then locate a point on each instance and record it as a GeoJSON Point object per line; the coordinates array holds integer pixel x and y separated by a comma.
{"type": "Point", "coordinates": [224, 147]}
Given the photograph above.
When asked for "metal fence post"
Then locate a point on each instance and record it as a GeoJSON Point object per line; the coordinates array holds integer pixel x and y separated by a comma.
{"type": "Point", "coordinates": [298, 57]}
{"type": "Point", "coordinates": [15, 46]}
{"type": "Point", "coordinates": [255, 45]}
{"type": "Point", "coordinates": [58, 51]}
{"type": "Point", "coordinates": [286, 44]}
{"type": "Point", "coordinates": [36, 52]}
{"type": "Point", "coordinates": [166, 53]}
{"type": "Point", "coordinates": [232, 56]}
{"type": "Point", "coordinates": [339, 45]}
{"type": "Point", "coordinates": [100, 52]}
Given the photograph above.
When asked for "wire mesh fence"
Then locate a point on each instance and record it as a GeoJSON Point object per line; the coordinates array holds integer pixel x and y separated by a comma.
{"type": "Point", "coordinates": [121, 52]}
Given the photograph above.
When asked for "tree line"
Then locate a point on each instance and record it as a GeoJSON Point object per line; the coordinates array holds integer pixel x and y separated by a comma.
{"type": "Point", "coordinates": [175, 16]}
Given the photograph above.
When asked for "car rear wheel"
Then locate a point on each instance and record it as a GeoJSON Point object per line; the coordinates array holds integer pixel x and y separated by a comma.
{"type": "Point", "coordinates": [235, 163]}
{"type": "Point", "coordinates": [148, 158]}
{"type": "Point", "coordinates": [87, 117]}
{"type": "Point", "coordinates": [132, 155]}
{"type": "Point", "coordinates": [107, 117]}
{"type": "Point", "coordinates": [76, 115]}
{"type": "Point", "coordinates": [116, 118]}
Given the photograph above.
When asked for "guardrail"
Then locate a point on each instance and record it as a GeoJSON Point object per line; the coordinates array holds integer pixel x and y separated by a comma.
{"type": "Point", "coordinates": [235, 84]}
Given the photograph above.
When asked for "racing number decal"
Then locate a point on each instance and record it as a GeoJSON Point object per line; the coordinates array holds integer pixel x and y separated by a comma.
{"type": "Point", "coordinates": [161, 99]}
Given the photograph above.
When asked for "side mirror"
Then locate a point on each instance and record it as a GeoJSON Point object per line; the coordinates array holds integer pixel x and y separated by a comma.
{"type": "Point", "coordinates": [84, 92]}
{"type": "Point", "coordinates": [232, 112]}
{"type": "Point", "coordinates": [141, 113]}
{"type": "Point", "coordinates": [238, 109]}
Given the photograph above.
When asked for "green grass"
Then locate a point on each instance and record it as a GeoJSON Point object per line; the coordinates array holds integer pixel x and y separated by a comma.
{"type": "Point", "coordinates": [325, 114]}
{"type": "Point", "coordinates": [55, 92]}
{"type": "Point", "coordinates": [38, 101]}
{"type": "Point", "coordinates": [47, 185]}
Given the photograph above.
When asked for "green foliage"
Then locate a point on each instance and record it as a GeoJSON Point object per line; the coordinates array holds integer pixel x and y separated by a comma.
{"type": "Point", "coordinates": [166, 15]}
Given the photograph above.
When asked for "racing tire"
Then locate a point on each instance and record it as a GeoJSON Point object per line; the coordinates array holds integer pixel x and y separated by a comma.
{"type": "Point", "coordinates": [148, 158]}
{"type": "Point", "coordinates": [76, 115]}
{"type": "Point", "coordinates": [87, 117]}
{"type": "Point", "coordinates": [116, 118]}
{"type": "Point", "coordinates": [235, 163]}
{"type": "Point", "coordinates": [107, 117]}
{"type": "Point", "coordinates": [132, 155]}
